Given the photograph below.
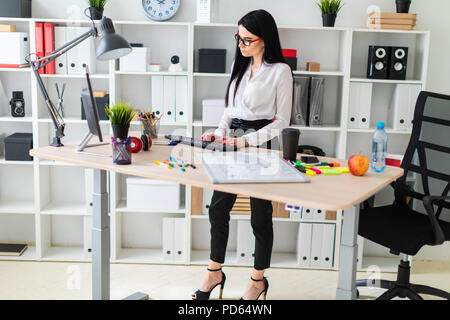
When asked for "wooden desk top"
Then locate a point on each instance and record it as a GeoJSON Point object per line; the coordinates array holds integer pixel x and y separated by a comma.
{"type": "Point", "coordinates": [325, 192]}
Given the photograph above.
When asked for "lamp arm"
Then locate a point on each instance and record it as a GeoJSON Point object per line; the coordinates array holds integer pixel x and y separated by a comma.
{"type": "Point", "coordinates": [36, 65]}
{"type": "Point", "coordinates": [68, 46]}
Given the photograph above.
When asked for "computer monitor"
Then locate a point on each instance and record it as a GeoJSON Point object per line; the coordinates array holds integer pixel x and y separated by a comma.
{"type": "Point", "coordinates": [90, 110]}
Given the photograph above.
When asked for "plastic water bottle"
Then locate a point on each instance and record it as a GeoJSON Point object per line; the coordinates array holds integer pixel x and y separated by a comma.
{"type": "Point", "coordinates": [379, 148]}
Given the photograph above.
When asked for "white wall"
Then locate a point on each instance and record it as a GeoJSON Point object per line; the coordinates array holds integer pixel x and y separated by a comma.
{"type": "Point", "coordinates": [432, 15]}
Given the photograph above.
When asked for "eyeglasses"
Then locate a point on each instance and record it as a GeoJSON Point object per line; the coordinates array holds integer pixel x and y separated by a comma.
{"type": "Point", "coordinates": [246, 42]}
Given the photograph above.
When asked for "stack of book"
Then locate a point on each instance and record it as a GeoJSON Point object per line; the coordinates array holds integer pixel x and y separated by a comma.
{"type": "Point", "coordinates": [391, 20]}
{"type": "Point", "coordinates": [242, 205]}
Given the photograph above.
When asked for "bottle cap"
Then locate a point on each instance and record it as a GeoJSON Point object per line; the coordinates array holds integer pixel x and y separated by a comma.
{"type": "Point", "coordinates": [380, 125]}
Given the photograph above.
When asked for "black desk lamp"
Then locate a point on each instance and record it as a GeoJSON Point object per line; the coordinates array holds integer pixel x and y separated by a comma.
{"type": "Point", "coordinates": [110, 47]}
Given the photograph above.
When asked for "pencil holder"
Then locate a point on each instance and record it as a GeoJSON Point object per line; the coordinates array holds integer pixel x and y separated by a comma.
{"type": "Point", "coordinates": [121, 152]}
{"type": "Point", "coordinates": [150, 127]}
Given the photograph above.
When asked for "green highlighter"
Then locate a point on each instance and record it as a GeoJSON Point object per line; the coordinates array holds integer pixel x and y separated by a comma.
{"type": "Point", "coordinates": [330, 172]}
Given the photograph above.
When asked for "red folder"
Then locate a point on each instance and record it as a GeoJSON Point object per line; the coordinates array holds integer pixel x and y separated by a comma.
{"type": "Point", "coordinates": [40, 42]}
{"type": "Point", "coordinates": [49, 44]}
{"type": "Point", "coordinates": [289, 53]}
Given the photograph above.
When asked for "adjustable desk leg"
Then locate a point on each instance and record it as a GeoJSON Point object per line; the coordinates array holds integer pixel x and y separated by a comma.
{"type": "Point", "coordinates": [101, 248]}
{"type": "Point", "coordinates": [348, 254]}
{"type": "Point", "coordinates": [100, 238]}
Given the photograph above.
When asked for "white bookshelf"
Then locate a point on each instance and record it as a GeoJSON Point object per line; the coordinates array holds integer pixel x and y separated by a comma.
{"type": "Point", "coordinates": [51, 196]}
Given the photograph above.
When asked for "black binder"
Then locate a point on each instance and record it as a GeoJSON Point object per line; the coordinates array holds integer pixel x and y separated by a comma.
{"type": "Point", "coordinates": [307, 102]}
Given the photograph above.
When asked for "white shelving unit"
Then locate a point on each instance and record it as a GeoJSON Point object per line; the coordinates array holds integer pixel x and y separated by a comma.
{"type": "Point", "coordinates": [44, 203]}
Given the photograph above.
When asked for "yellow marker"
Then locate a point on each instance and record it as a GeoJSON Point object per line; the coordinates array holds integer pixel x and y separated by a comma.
{"type": "Point", "coordinates": [331, 172]}
{"type": "Point", "coordinates": [157, 162]}
{"type": "Point", "coordinates": [310, 172]}
{"type": "Point", "coordinates": [323, 167]}
{"type": "Point", "coordinates": [343, 169]}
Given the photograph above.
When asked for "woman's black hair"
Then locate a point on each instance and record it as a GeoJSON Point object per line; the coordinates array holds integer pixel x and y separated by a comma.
{"type": "Point", "coordinates": [262, 24]}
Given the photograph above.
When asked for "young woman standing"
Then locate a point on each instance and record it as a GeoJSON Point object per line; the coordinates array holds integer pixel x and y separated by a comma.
{"type": "Point", "coordinates": [259, 105]}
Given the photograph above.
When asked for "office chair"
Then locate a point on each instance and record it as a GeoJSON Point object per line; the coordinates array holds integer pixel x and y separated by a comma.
{"type": "Point", "coordinates": [399, 226]}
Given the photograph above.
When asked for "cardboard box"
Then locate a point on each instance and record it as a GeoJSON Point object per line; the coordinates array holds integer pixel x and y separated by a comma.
{"type": "Point", "coordinates": [136, 61]}
{"type": "Point", "coordinates": [313, 66]}
{"type": "Point", "coordinates": [152, 194]}
{"type": "Point", "coordinates": [212, 60]}
{"type": "Point", "coordinates": [17, 147]}
{"type": "Point", "coordinates": [7, 28]}
{"type": "Point", "coordinates": [15, 8]}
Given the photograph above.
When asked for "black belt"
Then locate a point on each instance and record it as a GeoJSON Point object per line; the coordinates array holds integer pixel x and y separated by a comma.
{"type": "Point", "coordinates": [251, 123]}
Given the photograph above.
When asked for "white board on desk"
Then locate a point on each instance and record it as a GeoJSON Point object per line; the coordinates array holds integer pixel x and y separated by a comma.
{"type": "Point", "coordinates": [248, 167]}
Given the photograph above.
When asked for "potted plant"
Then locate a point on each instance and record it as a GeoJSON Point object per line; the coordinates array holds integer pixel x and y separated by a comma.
{"type": "Point", "coordinates": [120, 115]}
{"type": "Point", "coordinates": [330, 9]}
{"type": "Point", "coordinates": [403, 6]}
{"type": "Point", "coordinates": [96, 8]}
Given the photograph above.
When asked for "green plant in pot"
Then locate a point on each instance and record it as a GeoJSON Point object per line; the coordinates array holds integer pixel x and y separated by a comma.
{"type": "Point", "coordinates": [330, 9]}
{"type": "Point", "coordinates": [96, 8]}
{"type": "Point", "coordinates": [120, 116]}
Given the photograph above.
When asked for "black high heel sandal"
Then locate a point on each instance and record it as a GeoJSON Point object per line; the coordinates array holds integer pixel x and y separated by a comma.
{"type": "Point", "coordinates": [264, 291]}
{"type": "Point", "coordinates": [201, 295]}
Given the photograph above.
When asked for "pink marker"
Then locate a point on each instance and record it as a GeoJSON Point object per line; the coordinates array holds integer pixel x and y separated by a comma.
{"type": "Point", "coordinates": [316, 170]}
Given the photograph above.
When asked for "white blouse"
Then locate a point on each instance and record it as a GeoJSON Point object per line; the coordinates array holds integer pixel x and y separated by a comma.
{"type": "Point", "coordinates": [268, 95]}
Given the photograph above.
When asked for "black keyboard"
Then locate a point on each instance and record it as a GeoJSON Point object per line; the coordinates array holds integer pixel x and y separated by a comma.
{"type": "Point", "coordinates": [215, 146]}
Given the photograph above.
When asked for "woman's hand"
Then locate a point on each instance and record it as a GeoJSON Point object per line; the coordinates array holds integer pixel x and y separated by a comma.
{"type": "Point", "coordinates": [237, 142]}
{"type": "Point", "coordinates": [211, 136]}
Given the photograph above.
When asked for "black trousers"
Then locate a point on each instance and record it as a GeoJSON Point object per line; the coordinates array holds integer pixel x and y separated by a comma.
{"type": "Point", "coordinates": [261, 213]}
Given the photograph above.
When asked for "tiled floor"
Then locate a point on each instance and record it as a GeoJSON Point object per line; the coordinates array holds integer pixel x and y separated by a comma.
{"type": "Point", "coordinates": [52, 280]}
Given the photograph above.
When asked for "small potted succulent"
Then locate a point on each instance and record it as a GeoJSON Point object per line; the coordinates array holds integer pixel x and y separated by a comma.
{"type": "Point", "coordinates": [330, 9]}
{"type": "Point", "coordinates": [403, 6]}
{"type": "Point", "coordinates": [96, 8]}
{"type": "Point", "coordinates": [120, 115]}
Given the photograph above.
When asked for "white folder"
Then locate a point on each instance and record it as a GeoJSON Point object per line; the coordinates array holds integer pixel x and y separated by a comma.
{"type": "Point", "coordinates": [81, 55]}
{"type": "Point", "coordinates": [89, 187]}
{"type": "Point", "coordinates": [307, 213]}
{"type": "Point", "coordinates": [327, 255]}
{"type": "Point", "coordinates": [295, 215]}
{"type": "Point", "coordinates": [304, 244]}
{"type": "Point", "coordinates": [242, 242]}
{"type": "Point", "coordinates": [179, 250]}
{"type": "Point", "coordinates": [168, 238]}
{"type": "Point", "coordinates": [360, 102]}
{"type": "Point", "coordinates": [206, 200]}
{"type": "Point", "coordinates": [181, 99]}
{"type": "Point", "coordinates": [60, 40]}
{"type": "Point", "coordinates": [403, 105]}
{"type": "Point", "coordinates": [316, 245]}
{"type": "Point", "coordinates": [319, 214]}
{"type": "Point", "coordinates": [414, 91]}
{"type": "Point", "coordinates": [245, 245]}
{"type": "Point", "coordinates": [158, 96]}
{"type": "Point", "coordinates": [251, 244]}
{"type": "Point", "coordinates": [87, 237]}
{"type": "Point", "coordinates": [169, 99]}
{"type": "Point", "coordinates": [365, 105]}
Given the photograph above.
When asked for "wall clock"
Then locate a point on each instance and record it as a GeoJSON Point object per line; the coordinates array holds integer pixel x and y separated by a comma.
{"type": "Point", "coordinates": [160, 10]}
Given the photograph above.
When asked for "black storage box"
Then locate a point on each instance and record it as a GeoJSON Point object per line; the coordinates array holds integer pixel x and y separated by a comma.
{"type": "Point", "coordinates": [15, 8]}
{"type": "Point", "coordinates": [292, 62]}
{"type": "Point", "coordinates": [212, 60]}
{"type": "Point", "coordinates": [17, 147]}
{"type": "Point", "coordinates": [101, 104]}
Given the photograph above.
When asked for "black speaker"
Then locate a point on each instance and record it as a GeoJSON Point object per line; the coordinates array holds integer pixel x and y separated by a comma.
{"type": "Point", "coordinates": [378, 62]}
{"type": "Point", "coordinates": [398, 63]}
